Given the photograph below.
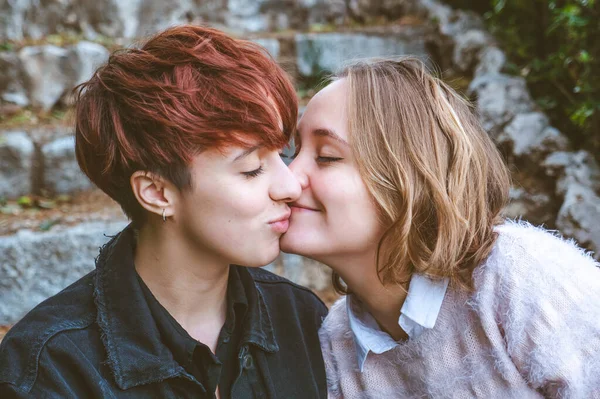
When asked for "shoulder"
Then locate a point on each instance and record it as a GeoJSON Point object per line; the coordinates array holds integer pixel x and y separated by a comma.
{"type": "Point", "coordinates": [335, 326]}
{"type": "Point", "coordinates": [531, 268]}
{"type": "Point", "coordinates": [521, 236]}
{"type": "Point", "coordinates": [272, 284]}
{"type": "Point", "coordinates": [337, 346]}
{"type": "Point", "coordinates": [24, 346]}
{"type": "Point", "coordinates": [523, 251]}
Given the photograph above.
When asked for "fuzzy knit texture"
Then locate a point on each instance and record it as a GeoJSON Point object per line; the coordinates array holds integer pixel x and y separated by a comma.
{"type": "Point", "coordinates": [530, 329]}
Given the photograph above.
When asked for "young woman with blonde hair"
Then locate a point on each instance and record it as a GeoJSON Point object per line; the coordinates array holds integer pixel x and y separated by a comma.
{"type": "Point", "coordinates": [402, 192]}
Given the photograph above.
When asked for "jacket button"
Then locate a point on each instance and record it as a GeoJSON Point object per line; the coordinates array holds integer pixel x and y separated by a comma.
{"type": "Point", "coordinates": [248, 362]}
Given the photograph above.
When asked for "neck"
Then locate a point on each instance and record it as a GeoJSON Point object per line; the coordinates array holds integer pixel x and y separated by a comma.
{"type": "Point", "coordinates": [383, 302]}
{"type": "Point", "coordinates": [181, 277]}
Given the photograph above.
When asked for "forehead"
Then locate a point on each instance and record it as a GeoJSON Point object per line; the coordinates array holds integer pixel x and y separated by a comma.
{"type": "Point", "coordinates": [326, 110]}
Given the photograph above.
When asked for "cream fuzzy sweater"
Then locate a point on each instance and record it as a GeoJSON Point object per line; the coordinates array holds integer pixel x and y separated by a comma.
{"type": "Point", "coordinates": [530, 329]}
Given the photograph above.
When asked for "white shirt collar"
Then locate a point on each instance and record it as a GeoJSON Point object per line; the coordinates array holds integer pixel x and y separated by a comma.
{"type": "Point", "coordinates": [419, 312]}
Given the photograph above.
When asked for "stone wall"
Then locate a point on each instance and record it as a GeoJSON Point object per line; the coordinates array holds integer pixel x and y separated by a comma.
{"type": "Point", "coordinates": [553, 184]}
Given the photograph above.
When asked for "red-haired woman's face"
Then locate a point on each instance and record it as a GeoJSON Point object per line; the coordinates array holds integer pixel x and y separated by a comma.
{"type": "Point", "coordinates": [237, 207]}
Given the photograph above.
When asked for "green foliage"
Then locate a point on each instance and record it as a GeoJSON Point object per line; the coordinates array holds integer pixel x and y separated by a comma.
{"type": "Point", "coordinates": [555, 45]}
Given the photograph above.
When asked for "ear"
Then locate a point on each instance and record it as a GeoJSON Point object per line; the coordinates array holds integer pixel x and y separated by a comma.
{"type": "Point", "coordinates": [154, 193]}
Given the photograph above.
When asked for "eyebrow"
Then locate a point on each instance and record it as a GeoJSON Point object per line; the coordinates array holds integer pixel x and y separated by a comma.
{"type": "Point", "coordinates": [246, 153]}
{"type": "Point", "coordinates": [329, 133]}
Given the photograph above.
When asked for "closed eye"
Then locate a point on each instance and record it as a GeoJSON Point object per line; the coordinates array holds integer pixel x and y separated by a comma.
{"type": "Point", "coordinates": [253, 173]}
{"type": "Point", "coordinates": [328, 159]}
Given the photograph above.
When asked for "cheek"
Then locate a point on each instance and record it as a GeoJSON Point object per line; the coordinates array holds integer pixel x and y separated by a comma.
{"type": "Point", "coordinates": [350, 218]}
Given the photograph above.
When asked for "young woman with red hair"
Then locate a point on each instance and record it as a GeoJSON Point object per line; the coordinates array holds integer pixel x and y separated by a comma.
{"type": "Point", "coordinates": [184, 133]}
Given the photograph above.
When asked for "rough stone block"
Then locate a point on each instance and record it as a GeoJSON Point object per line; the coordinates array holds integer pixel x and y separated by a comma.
{"type": "Point", "coordinates": [16, 162]}
{"type": "Point", "coordinates": [499, 98]}
{"type": "Point", "coordinates": [34, 266]}
{"type": "Point", "coordinates": [61, 171]}
{"type": "Point", "coordinates": [530, 135]}
{"type": "Point", "coordinates": [85, 57]}
{"type": "Point", "coordinates": [329, 51]}
{"type": "Point", "coordinates": [271, 45]}
{"type": "Point", "coordinates": [579, 215]}
{"type": "Point", "coordinates": [44, 73]}
{"type": "Point", "coordinates": [12, 88]}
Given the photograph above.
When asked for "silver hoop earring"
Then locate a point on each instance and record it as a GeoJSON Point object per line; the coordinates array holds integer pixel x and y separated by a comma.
{"type": "Point", "coordinates": [164, 216]}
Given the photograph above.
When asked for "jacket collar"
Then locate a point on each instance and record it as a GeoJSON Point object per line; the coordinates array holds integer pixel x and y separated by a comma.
{"type": "Point", "coordinates": [136, 354]}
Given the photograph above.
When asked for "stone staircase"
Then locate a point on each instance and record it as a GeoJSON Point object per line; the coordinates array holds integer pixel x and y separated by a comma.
{"type": "Point", "coordinates": [46, 245]}
{"type": "Point", "coordinates": [52, 221]}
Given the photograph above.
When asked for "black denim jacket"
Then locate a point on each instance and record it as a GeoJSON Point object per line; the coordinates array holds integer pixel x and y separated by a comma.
{"type": "Point", "coordinates": [97, 339]}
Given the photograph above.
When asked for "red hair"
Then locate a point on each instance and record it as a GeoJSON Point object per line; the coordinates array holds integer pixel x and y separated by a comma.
{"type": "Point", "coordinates": [187, 89]}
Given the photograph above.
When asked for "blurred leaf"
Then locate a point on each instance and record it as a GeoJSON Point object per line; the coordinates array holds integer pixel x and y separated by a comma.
{"type": "Point", "coordinates": [580, 116]}
{"type": "Point", "coordinates": [25, 201]}
{"type": "Point", "coordinates": [6, 46]}
{"type": "Point", "coordinates": [584, 56]}
{"type": "Point", "coordinates": [499, 6]}
{"type": "Point", "coordinates": [555, 46]}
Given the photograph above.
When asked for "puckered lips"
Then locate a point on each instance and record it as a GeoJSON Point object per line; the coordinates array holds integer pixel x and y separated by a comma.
{"type": "Point", "coordinates": [281, 223]}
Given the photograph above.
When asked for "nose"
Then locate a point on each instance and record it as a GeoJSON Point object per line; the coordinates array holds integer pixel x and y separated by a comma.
{"type": "Point", "coordinates": [286, 186]}
{"type": "Point", "coordinates": [297, 169]}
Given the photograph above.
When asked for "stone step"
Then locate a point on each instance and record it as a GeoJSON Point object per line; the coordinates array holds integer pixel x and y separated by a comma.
{"type": "Point", "coordinates": [42, 76]}
{"type": "Point", "coordinates": [24, 19]}
{"type": "Point", "coordinates": [30, 165]}
{"type": "Point", "coordinates": [35, 265]}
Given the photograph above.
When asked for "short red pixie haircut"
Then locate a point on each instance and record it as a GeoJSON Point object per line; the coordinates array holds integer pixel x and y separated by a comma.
{"type": "Point", "coordinates": [187, 89]}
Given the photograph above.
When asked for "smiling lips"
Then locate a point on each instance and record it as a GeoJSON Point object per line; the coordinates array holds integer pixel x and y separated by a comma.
{"type": "Point", "coordinates": [301, 208]}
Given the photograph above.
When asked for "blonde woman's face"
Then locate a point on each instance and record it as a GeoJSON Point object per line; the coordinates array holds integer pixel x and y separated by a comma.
{"type": "Point", "coordinates": [334, 217]}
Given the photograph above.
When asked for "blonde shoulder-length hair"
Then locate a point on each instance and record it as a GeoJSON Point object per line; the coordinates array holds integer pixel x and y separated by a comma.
{"type": "Point", "coordinates": [434, 173]}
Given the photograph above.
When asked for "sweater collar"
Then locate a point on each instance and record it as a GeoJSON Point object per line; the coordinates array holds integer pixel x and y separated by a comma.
{"type": "Point", "coordinates": [419, 313]}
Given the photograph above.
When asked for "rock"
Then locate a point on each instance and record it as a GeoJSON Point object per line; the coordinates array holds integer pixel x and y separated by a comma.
{"type": "Point", "coordinates": [49, 17]}
{"type": "Point", "coordinates": [35, 265]}
{"type": "Point", "coordinates": [323, 12]}
{"type": "Point", "coordinates": [579, 215]}
{"type": "Point", "coordinates": [245, 16]}
{"type": "Point", "coordinates": [570, 168]}
{"type": "Point", "coordinates": [303, 271]}
{"type": "Point", "coordinates": [458, 21]}
{"type": "Point", "coordinates": [12, 87]}
{"type": "Point", "coordinates": [499, 98]}
{"type": "Point", "coordinates": [12, 19]}
{"type": "Point", "coordinates": [529, 135]}
{"type": "Point", "coordinates": [44, 74]}
{"type": "Point", "coordinates": [85, 57]}
{"type": "Point", "coordinates": [157, 15]}
{"type": "Point", "coordinates": [111, 18]}
{"type": "Point", "coordinates": [61, 171]}
{"type": "Point", "coordinates": [537, 208]}
{"type": "Point", "coordinates": [491, 60]}
{"type": "Point", "coordinates": [16, 159]}
{"type": "Point", "coordinates": [366, 10]}
{"type": "Point", "coordinates": [271, 45]}
{"type": "Point", "coordinates": [467, 48]}
{"type": "Point", "coordinates": [578, 183]}
{"type": "Point", "coordinates": [329, 51]}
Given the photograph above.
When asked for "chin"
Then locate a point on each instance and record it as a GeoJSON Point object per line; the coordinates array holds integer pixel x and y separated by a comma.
{"type": "Point", "coordinates": [293, 244]}
{"type": "Point", "coordinates": [263, 257]}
